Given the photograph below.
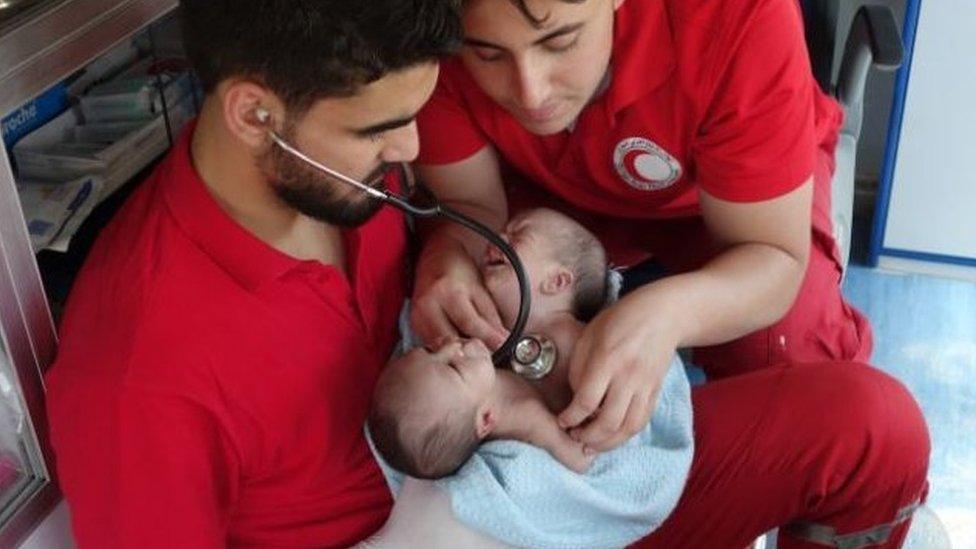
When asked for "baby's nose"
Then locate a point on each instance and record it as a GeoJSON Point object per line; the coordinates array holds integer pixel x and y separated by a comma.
{"type": "Point", "coordinates": [474, 348]}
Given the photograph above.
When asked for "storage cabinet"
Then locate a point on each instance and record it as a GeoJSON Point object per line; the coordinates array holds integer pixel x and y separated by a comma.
{"type": "Point", "coordinates": [53, 53]}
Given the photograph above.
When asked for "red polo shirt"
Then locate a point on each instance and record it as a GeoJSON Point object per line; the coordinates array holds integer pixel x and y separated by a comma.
{"type": "Point", "coordinates": [707, 94]}
{"type": "Point", "coordinates": [210, 390]}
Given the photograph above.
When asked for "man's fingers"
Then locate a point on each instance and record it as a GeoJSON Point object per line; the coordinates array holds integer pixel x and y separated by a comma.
{"type": "Point", "coordinates": [466, 318]}
{"type": "Point", "coordinates": [487, 309]}
{"type": "Point", "coordinates": [640, 412]}
{"type": "Point", "coordinates": [578, 362]}
{"type": "Point", "coordinates": [636, 419]}
{"type": "Point", "coordinates": [609, 421]}
{"type": "Point", "coordinates": [586, 400]}
{"type": "Point", "coordinates": [431, 325]}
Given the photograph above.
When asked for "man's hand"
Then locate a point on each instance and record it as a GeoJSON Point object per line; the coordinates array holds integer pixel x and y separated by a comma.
{"type": "Point", "coordinates": [616, 372]}
{"type": "Point", "coordinates": [450, 301]}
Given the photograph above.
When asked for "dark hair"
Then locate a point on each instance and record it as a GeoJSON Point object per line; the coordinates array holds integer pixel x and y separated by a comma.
{"type": "Point", "coordinates": [531, 17]}
{"type": "Point", "coordinates": [304, 50]}
{"type": "Point", "coordinates": [429, 453]}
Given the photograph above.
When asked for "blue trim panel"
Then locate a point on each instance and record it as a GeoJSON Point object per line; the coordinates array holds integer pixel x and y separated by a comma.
{"type": "Point", "coordinates": [934, 258]}
{"type": "Point", "coordinates": [912, 9]}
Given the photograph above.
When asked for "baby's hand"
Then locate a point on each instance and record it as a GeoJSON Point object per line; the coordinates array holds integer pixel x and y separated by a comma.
{"type": "Point", "coordinates": [545, 433]}
{"type": "Point", "coordinates": [568, 451]}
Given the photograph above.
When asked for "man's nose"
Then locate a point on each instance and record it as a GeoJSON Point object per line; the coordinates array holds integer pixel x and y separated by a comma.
{"type": "Point", "coordinates": [401, 144]}
{"type": "Point", "coordinates": [531, 81]}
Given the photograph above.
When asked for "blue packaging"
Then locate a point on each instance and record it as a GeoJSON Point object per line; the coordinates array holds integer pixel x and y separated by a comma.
{"type": "Point", "coordinates": [34, 114]}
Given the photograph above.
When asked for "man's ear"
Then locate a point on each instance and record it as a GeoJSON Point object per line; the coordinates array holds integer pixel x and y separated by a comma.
{"type": "Point", "coordinates": [241, 103]}
{"type": "Point", "coordinates": [558, 279]}
{"type": "Point", "coordinates": [484, 422]}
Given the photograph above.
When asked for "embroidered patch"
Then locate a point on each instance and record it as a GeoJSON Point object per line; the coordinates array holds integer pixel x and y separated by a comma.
{"type": "Point", "coordinates": [644, 165]}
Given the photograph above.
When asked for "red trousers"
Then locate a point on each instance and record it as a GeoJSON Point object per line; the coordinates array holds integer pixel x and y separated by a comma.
{"type": "Point", "coordinates": [840, 445]}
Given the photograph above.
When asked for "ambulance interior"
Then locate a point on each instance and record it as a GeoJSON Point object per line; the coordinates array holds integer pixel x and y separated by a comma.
{"type": "Point", "coordinates": [94, 92]}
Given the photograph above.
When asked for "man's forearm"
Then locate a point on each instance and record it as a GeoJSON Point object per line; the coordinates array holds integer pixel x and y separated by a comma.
{"type": "Point", "coordinates": [744, 289]}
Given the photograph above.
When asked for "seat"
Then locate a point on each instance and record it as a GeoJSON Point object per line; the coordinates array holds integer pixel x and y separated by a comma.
{"type": "Point", "coordinates": [872, 39]}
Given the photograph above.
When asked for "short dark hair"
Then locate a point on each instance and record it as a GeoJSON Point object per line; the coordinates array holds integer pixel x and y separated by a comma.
{"type": "Point", "coordinates": [436, 452]}
{"type": "Point", "coordinates": [305, 50]}
{"type": "Point", "coordinates": [533, 18]}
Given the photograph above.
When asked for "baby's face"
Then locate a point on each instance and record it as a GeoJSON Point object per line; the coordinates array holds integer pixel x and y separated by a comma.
{"type": "Point", "coordinates": [459, 377]}
{"type": "Point", "coordinates": [532, 236]}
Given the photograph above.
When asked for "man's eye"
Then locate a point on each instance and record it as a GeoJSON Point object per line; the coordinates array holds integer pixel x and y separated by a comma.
{"type": "Point", "coordinates": [562, 43]}
{"type": "Point", "coordinates": [487, 54]}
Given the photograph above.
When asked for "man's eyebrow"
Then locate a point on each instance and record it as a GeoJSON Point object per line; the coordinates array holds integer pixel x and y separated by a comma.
{"type": "Point", "coordinates": [563, 30]}
{"type": "Point", "coordinates": [384, 126]}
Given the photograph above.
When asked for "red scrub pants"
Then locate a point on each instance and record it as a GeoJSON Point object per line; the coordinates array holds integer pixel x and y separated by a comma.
{"type": "Point", "coordinates": [836, 452]}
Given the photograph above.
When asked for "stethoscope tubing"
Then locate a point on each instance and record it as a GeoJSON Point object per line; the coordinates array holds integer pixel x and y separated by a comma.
{"type": "Point", "coordinates": [503, 354]}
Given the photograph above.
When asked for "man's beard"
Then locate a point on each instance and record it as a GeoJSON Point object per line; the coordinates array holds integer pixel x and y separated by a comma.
{"type": "Point", "coordinates": [316, 194]}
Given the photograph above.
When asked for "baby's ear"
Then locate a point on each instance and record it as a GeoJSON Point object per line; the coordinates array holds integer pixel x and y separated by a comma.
{"type": "Point", "coordinates": [558, 279]}
{"type": "Point", "coordinates": [484, 423]}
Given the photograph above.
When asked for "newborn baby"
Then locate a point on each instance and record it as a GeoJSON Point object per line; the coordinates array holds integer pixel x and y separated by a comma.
{"type": "Point", "coordinates": [432, 410]}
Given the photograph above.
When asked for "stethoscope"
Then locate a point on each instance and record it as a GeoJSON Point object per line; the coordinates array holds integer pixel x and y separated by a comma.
{"type": "Point", "coordinates": [532, 356]}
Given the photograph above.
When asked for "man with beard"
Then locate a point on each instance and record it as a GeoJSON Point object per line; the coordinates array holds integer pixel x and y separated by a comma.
{"type": "Point", "coordinates": [222, 341]}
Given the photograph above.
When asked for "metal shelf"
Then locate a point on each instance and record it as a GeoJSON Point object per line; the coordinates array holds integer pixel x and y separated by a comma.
{"type": "Point", "coordinates": [63, 39]}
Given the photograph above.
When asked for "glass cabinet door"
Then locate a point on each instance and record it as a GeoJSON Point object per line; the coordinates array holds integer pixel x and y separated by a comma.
{"type": "Point", "coordinates": [22, 471]}
{"type": "Point", "coordinates": [62, 64]}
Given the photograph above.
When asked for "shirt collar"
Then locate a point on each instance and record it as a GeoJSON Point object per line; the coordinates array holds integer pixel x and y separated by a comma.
{"type": "Point", "coordinates": [643, 52]}
{"type": "Point", "coordinates": [244, 256]}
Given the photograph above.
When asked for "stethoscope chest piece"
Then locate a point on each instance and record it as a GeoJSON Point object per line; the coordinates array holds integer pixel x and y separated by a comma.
{"type": "Point", "coordinates": [534, 357]}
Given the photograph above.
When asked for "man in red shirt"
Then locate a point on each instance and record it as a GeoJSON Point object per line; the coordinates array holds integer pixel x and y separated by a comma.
{"type": "Point", "coordinates": [692, 131]}
{"type": "Point", "coordinates": [221, 344]}
{"type": "Point", "coordinates": [689, 130]}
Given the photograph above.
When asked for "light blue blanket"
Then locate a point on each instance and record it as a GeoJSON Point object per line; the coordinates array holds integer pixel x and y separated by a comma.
{"type": "Point", "coordinates": [518, 494]}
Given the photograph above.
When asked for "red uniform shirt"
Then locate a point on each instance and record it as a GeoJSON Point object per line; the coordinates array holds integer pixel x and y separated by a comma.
{"type": "Point", "coordinates": [703, 94]}
{"type": "Point", "coordinates": [210, 390]}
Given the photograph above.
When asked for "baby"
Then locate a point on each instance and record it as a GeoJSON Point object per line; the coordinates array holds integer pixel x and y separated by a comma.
{"type": "Point", "coordinates": [431, 410]}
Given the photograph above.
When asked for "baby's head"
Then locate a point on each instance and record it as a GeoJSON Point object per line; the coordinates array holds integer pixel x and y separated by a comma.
{"type": "Point", "coordinates": [566, 266]}
{"type": "Point", "coordinates": [431, 410]}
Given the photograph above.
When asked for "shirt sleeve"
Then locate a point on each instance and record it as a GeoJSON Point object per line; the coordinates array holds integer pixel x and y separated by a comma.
{"type": "Point", "coordinates": [758, 138]}
{"type": "Point", "coordinates": [448, 132]}
{"type": "Point", "coordinates": [144, 471]}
